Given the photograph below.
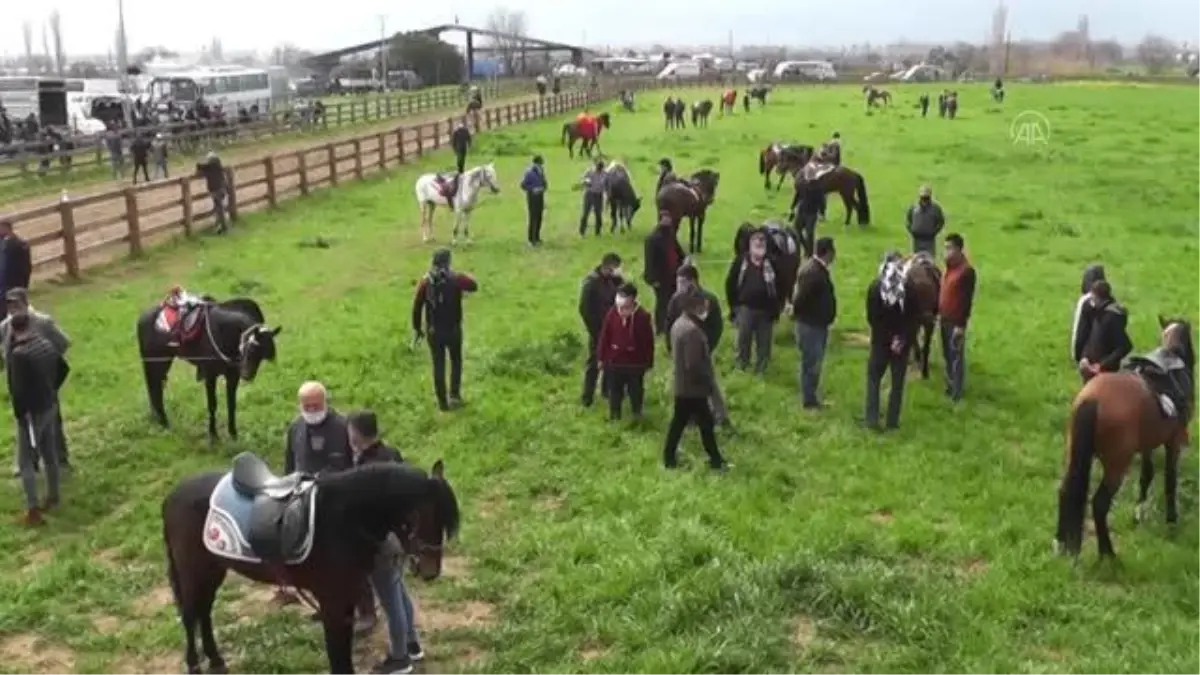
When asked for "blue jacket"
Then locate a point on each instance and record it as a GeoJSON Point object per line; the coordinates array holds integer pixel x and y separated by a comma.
{"type": "Point", "coordinates": [534, 180]}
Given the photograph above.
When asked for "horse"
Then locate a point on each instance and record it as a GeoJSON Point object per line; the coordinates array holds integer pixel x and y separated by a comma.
{"type": "Point", "coordinates": [627, 101]}
{"type": "Point", "coordinates": [787, 159]}
{"type": "Point", "coordinates": [922, 272]}
{"type": "Point", "coordinates": [1118, 416]}
{"type": "Point", "coordinates": [461, 196]}
{"type": "Point", "coordinates": [623, 202]}
{"type": "Point", "coordinates": [728, 100]}
{"type": "Point", "coordinates": [952, 105]}
{"type": "Point", "coordinates": [843, 180]}
{"type": "Point", "coordinates": [700, 112]}
{"type": "Point", "coordinates": [228, 339]}
{"type": "Point", "coordinates": [691, 199]}
{"type": "Point", "coordinates": [783, 250]}
{"type": "Point", "coordinates": [874, 95]}
{"type": "Point", "coordinates": [591, 138]}
{"type": "Point", "coordinates": [317, 534]}
{"type": "Point", "coordinates": [760, 92]}
{"type": "Point", "coordinates": [673, 109]}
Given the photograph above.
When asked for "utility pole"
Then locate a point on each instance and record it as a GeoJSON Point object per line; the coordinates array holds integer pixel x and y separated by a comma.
{"type": "Point", "coordinates": [123, 60]}
{"type": "Point", "coordinates": [384, 46]}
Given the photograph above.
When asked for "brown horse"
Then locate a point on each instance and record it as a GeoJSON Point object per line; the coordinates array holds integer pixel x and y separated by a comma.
{"type": "Point", "coordinates": [875, 95]}
{"type": "Point", "coordinates": [572, 132]}
{"type": "Point", "coordinates": [1118, 416]}
{"type": "Point", "coordinates": [787, 159]}
{"type": "Point", "coordinates": [926, 279]}
{"type": "Point", "coordinates": [690, 199]}
{"type": "Point", "coordinates": [846, 182]}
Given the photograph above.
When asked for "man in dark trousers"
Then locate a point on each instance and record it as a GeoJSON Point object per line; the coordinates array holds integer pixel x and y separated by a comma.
{"type": "Point", "coordinates": [752, 289]}
{"type": "Point", "coordinates": [693, 379]}
{"type": "Point", "coordinates": [34, 374]}
{"type": "Point", "coordinates": [808, 203]}
{"type": "Point", "coordinates": [139, 149]}
{"type": "Point", "coordinates": [955, 302]}
{"type": "Point", "coordinates": [625, 351]}
{"type": "Point", "coordinates": [923, 103]}
{"type": "Point", "coordinates": [663, 256]}
{"type": "Point", "coordinates": [439, 299]}
{"type": "Point", "coordinates": [17, 302]}
{"type": "Point", "coordinates": [534, 184]}
{"type": "Point", "coordinates": [596, 296]}
{"type": "Point", "coordinates": [924, 221]}
{"type": "Point", "coordinates": [16, 262]}
{"type": "Point", "coordinates": [214, 179]}
{"type": "Point", "coordinates": [1102, 342]}
{"type": "Point", "coordinates": [687, 281]}
{"type": "Point", "coordinates": [814, 307]}
{"type": "Point", "coordinates": [460, 141]}
{"type": "Point", "coordinates": [594, 184]}
{"type": "Point", "coordinates": [892, 317]}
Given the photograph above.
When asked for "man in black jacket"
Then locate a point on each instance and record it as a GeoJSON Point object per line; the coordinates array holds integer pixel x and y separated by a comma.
{"type": "Point", "coordinates": [34, 372]}
{"type": "Point", "coordinates": [892, 317]}
{"type": "Point", "coordinates": [16, 263]}
{"type": "Point", "coordinates": [460, 141]}
{"type": "Point", "coordinates": [663, 256]}
{"type": "Point", "coordinates": [752, 289]}
{"type": "Point", "coordinates": [438, 300]}
{"type": "Point", "coordinates": [596, 296]}
{"type": "Point", "coordinates": [316, 439]}
{"type": "Point", "coordinates": [808, 204]}
{"type": "Point", "coordinates": [814, 307]}
{"type": "Point", "coordinates": [213, 173]}
{"type": "Point", "coordinates": [140, 150]}
{"type": "Point", "coordinates": [1102, 342]}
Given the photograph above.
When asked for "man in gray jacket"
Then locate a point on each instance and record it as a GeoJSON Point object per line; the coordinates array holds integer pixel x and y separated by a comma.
{"type": "Point", "coordinates": [17, 302]}
{"type": "Point", "coordinates": [593, 183]}
{"type": "Point", "coordinates": [694, 383]}
{"type": "Point", "coordinates": [925, 222]}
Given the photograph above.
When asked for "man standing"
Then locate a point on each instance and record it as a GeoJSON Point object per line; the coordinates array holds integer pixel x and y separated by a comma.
{"type": "Point", "coordinates": [534, 185]}
{"type": "Point", "coordinates": [1102, 342]}
{"type": "Point", "coordinates": [753, 295]}
{"type": "Point", "coordinates": [814, 307]}
{"type": "Point", "coordinates": [893, 322]}
{"type": "Point", "coordinates": [439, 300]}
{"type": "Point", "coordinates": [626, 351]}
{"type": "Point", "coordinates": [808, 204]}
{"type": "Point", "coordinates": [139, 149]}
{"type": "Point", "coordinates": [116, 157]}
{"type": "Point", "coordinates": [593, 196]}
{"type": "Point", "coordinates": [597, 294]}
{"type": "Point", "coordinates": [460, 141]}
{"type": "Point", "coordinates": [663, 255]}
{"type": "Point", "coordinates": [687, 281]}
{"type": "Point", "coordinates": [923, 103]}
{"type": "Point", "coordinates": [955, 302]}
{"type": "Point", "coordinates": [925, 221]}
{"type": "Point", "coordinates": [16, 262]}
{"type": "Point", "coordinates": [316, 439]}
{"type": "Point", "coordinates": [159, 148]}
{"type": "Point", "coordinates": [1091, 274]}
{"type": "Point", "coordinates": [17, 302]}
{"type": "Point", "coordinates": [34, 371]}
{"type": "Point", "coordinates": [214, 179]}
{"type": "Point", "coordinates": [693, 383]}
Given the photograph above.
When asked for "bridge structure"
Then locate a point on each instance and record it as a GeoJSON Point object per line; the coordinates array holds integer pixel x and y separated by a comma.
{"type": "Point", "coordinates": [520, 44]}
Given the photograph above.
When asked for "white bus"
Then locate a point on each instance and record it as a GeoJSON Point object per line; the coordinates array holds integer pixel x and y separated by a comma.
{"type": "Point", "coordinates": [805, 70]}
{"type": "Point", "coordinates": [230, 86]}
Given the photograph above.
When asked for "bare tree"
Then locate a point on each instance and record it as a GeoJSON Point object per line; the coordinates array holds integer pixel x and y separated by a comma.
{"type": "Point", "coordinates": [1107, 52]}
{"type": "Point", "coordinates": [511, 25]}
{"type": "Point", "coordinates": [27, 33]}
{"type": "Point", "coordinates": [60, 54]}
{"type": "Point", "coordinates": [46, 44]}
{"type": "Point", "coordinates": [1156, 53]}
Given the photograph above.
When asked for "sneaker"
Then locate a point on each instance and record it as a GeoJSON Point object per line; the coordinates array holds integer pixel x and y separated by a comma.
{"type": "Point", "coordinates": [397, 665]}
{"type": "Point", "coordinates": [415, 653]}
{"type": "Point", "coordinates": [33, 518]}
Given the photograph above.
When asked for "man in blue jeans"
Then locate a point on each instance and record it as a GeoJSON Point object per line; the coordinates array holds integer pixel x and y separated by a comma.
{"type": "Point", "coordinates": [814, 307]}
{"type": "Point", "coordinates": [403, 646]}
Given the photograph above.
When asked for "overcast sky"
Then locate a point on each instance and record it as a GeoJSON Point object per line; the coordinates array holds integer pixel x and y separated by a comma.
{"type": "Point", "coordinates": [89, 25]}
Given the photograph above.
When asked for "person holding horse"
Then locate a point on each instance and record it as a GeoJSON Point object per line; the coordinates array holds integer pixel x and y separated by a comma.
{"type": "Point", "coordinates": [687, 281]}
{"type": "Point", "coordinates": [1103, 341]}
{"type": "Point", "coordinates": [892, 318]}
{"type": "Point", "coordinates": [404, 647]}
{"type": "Point", "coordinates": [924, 222]}
{"type": "Point", "coordinates": [814, 307]}
{"type": "Point", "coordinates": [438, 300]}
{"type": "Point", "coordinates": [666, 174]}
{"type": "Point", "coordinates": [663, 256]}
{"type": "Point", "coordinates": [597, 295]}
{"type": "Point", "coordinates": [808, 203]}
{"type": "Point", "coordinates": [594, 186]}
{"type": "Point", "coordinates": [693, 383]}
{"type": "Point", "coordinates": [751, 287]}
{"type": "Point", "coordinates": [955, 302]}
{"type": "Point", "coordinates": [625, 350]}
{"type": "Point", "coordinates": [1091, 274]}
{"type": "Point", "coordinates": [534, 184]}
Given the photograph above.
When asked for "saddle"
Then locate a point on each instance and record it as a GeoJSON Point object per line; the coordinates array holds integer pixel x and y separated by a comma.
{"type": "Point", "coordinates": [815, 169]}
{"type": "Point", "coordinates": [447, 184]}
{"type": "Point", "coordinates": [1168, 378]}
{"type": "Point", "coordinates": [257, 517]}
{"type": "Point", "coordinates": [923, 259]}
{"type": "Point", "coordinates": [185, 322]}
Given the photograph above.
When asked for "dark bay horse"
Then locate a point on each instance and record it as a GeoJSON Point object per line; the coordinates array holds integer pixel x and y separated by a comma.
{"type": "Point", "coordinates": [786, 159]}
{"type": "Point", "coordinates": [846, 182]}
{"type": "Point", "coordinates": [760, 92]}
{"type": "Point", "coordinates": [1119, 416]}
{"type": "Point", "coordinates": [571, 132]}
{"type": "Point", "coordinates": [783, 250]}
{"type": "Point", "coordinates": [673, 112]}
{"type": "Point", "coordinates": [690, 199]}
{"type": "Point", "coordinates": [623, 202]}
{"type": "Point", "coordinates": [323, 535]}
{"type": "Point", "coordinates": [229, 339]}
{"type": "Point", "coordinates": [700, 112]}
{"type": "Point", "coordinates": [875, 96]}
{"type": "Point", "coordinates": [922, 272]}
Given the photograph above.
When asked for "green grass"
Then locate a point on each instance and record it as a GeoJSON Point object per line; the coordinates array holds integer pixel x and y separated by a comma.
{"type": "Point", "coordinates": [826, 549]}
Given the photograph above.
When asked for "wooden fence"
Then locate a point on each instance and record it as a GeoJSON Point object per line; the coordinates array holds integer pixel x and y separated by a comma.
{"type": "Point", "coordinates": [24, 162]}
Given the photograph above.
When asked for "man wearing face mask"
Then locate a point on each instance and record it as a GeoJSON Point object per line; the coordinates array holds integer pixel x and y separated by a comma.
{"type": "Point", "coordinates": [316, 440]}
{"type": "Point", "coordinates": [1102, 342]}
{"type": "Point", "coordinates": [663, 256]}
{"type": "Point", "coordinates": [751, 288]}
{"type": "Point", "coordinates": [925, 221]}
{"type": "Point", "coordinates": [626, 351]}
{"type": "Point", "coordinates": [596, 297]}
{"type": "Point", "coordinates": [688, 282]}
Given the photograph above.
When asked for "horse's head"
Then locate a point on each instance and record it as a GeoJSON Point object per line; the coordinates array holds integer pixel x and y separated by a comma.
{"type": "Point", "coordinates": [257, 345]}
{"type": "Point", "coordinates": [485, 176]}
{"type": "Point", "coordinates": [604, 120]}
{"type": "Point", "coordinates": [1177, 339]}
{"type": "Point", "coordinates": [428, 526]}
{"type": "Point", "coordinates": [707, 180]}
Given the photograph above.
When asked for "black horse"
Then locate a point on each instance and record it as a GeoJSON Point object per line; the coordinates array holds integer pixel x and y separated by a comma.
{"type": "Point", "coordinates": [673, 112]}
{"type": "Point", "coordinates": [760, 92]}
{"type": "Point", "coordinates": [783, 250]}
{"type": "Point", "coordinates": [623, 202]}
{"type": "Point", "coordinates": [351, 514]}
{"type": "Point", "coordinates": [700, 112]}
{"type": "Point", "coordinates": [690, 199]}
{"type": "Point", "coordinates": [229, 339]}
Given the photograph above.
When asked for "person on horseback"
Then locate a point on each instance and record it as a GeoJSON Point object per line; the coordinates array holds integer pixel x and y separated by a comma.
{"type": "Point", "coordinates": [178, 304]}
{"type": "Point", "coordinates": [831, 151]}
{"type": "Point", "coordinates": [666, 174]}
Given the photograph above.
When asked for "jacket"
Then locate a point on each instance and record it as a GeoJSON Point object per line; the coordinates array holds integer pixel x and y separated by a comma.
{"type": "Point", "coordinates": [753, 286]}
{"type": "Point", "coordinates": [925, 221]}
{"type": "Point", "coordinates": [378, 452]}
{"type": "Point", "coordinates": [441, 304]}
{"type": "Point", "coordinates": [814, 302]}
{"type": "Point", "coordinates": [693, 375]}
{"type": "Point", "coordinates": [663, 256]}
{"type": "Point", "coordinates": [460, 139]}
{"type": "Point", "coordinates": [626, 341]}
{"type": "Point", "coordinates": [317, 448]}
{"type": "Point", "coordinates": [213, 173]}
{"type": "Point", "coordinates": [714, 326]}
{"type": "Point", "coordinates": [534, 180]}
{"type": "Point", "coordinates": [42, 324]}
{"type": "Point", "coordinates": [891, 322]}
{"type": "Point", "coordinates": [596, 296]}
{"type": "Point", "coordinates": [957, 296]}
{"type": "Point", "coordinates": [33, 375]}
{"type": "Point", "coordinates": [1102, 336]}
{"type": "Point", "coordinates": [18, 263]}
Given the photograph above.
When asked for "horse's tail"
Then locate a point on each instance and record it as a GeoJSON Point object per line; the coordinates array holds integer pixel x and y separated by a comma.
{"type": "Point", "coordinates": [860, 197]}
{"type": "Point", "coordinates": [762, 162]}
{"type": "Point", "coordinates": [1072, 497]}
{"type": "Point", "coordinates": [172, 568]}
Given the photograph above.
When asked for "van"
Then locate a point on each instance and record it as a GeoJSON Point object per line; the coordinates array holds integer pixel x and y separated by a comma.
{"type": "Point", "coordinates": [682, 70]}
{"type": "Point", "coordinates": [805, 70]}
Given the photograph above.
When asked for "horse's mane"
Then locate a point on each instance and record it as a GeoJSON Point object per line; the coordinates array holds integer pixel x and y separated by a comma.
{"type": "Point", "coordinates": [382, 481]}
{"type": "Point", "coordinates": [1188, 351]}
{"type": "Point", "coordinates": [244, 306]}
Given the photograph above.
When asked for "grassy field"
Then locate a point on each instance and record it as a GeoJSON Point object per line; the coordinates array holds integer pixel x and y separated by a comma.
{"type": "Point", "coordinates": [825, 549]}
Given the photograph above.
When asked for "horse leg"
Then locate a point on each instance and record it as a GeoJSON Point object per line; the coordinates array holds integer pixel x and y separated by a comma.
{"type": "Point", "coordinates": [210, 396]}
{"type": "Point", "coordinates": [1101, 504]}
{"type": "Point", "coordinates": [691, 234]}
{"type": "Point", "coordinates": [454, 235]}
{"type": "Point", "coordinates": [338, 621]}
{"type": "Point", "coordinates": [231, 386]}
{"type": "Point", "coordinates": [1144, 480]}
{"type": "Point", "coordinates": [466, 223]}
{"type": "Point", "coordinates": [700, 233]}
{"type": "Point", "coordinates": [195, 584]}
{"type": "Point", "coordinates": [156, 378]}
{"type": "Point", "coordinates": [926, 344]}
{"type": "Point", "coordinates": [782, 175]}
{"type": "Point", "coordinates": [1170, 482]}
{"type": "Point", "coordinates": [848, 201]}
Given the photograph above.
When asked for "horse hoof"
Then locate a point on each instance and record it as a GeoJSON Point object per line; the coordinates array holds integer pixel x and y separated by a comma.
{"type": "Point", "coordinates": [218, 668]}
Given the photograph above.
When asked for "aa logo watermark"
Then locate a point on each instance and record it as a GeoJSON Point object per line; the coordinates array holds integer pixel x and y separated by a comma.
{"type": "Point", "coordinates": [1030, 127]}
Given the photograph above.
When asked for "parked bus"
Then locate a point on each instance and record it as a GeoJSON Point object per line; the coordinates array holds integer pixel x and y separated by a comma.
{"type": "Point", "coordinates": [229, 86]}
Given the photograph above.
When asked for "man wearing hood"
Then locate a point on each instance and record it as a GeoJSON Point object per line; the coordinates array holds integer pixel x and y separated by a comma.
{"type": "Point", "coordinates": [439, 301]}
{"type": "Point", "coordinates": [663, 256]}
{"type": "Point", "coordinates": [597, 294]}
{"type": "Point", "coordinates": [892, 317]}
{"type": "Point", "coordinates": [1091, 274]}
{"type": "Point", "coordinates": [1102, 342]}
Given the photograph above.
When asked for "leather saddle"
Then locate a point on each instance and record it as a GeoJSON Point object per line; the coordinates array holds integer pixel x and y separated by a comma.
{"type": "Point", "coordinates": [448, 184]}
{"type": "Point", "coordinates": [183, 321]}
{"type": "Point", "coordinates": [1167, 376]}
{"type": "Point", "coordinates": [257, 516]}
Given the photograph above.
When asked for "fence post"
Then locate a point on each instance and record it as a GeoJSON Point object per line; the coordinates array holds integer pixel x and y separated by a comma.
{"type": "Point", "coordinates": [269, 170]}
{"type": "Point", "coordinates": [400, 157]}
{"type": "Point", "coordinates": [132, 217]}
{"type": "Point", "coordinates": [357, 145]}
{"type": "Point", "coordinates": [231, 189]}
{"type": "Point", "coordinates": [339, 113]}
{"type": "Point", "coordinates": [420, 141]}
{"type": "Point", "coordinates": [302, 166]}
{"type": "Point", "coordinates": [437, 135]}
{"type": "Point", "coordinates": [379, 106]}
{"type": "Point", "coordinates": [382, 139]}
{"type": "Point", "coordinates": [66, 213]}
{"type": "Point", "coordinates": [508, 116]}
{"type": "Point", "coordinates": [388, 106]}
{"type": "Point", "coordinates": [185, 198]}
{"type": "Point", "coordinates": [331, 159]}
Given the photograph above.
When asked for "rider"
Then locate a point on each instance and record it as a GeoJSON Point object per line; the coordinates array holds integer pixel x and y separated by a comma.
{"type": "Point", "coordinates": [666, 174]}
{"type": "Point", "coordinates": [460, 140]}
{"type": "Point", "coordinates": [831, 152]}
{"type": "Point", "coordinates": [181, 302]}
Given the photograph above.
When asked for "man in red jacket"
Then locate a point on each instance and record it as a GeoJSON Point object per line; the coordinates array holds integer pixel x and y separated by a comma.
{"type": "Point", "coordinates": [625, 351]}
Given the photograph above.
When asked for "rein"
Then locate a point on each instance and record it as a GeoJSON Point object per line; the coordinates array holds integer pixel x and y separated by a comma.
{"type": "Point", "coordinates": [281, 581]}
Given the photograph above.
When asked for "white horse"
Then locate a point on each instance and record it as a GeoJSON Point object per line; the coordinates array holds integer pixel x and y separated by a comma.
{"type": "Point", "coordinates": [471, 183]}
